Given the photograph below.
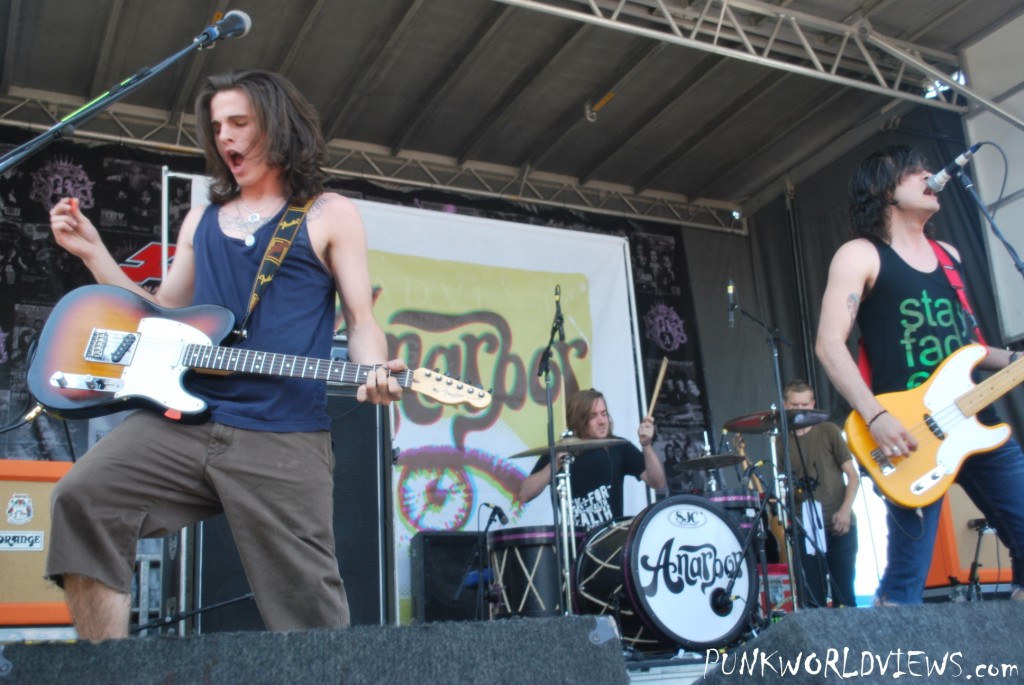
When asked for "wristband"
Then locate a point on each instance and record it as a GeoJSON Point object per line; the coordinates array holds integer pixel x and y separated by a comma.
{"type": "Point", "coordinates": [884, 411]}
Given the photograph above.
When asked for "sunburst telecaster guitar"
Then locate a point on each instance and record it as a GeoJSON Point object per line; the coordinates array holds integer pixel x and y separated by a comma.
{"type": "Point", "coordinates": [940, 415]}
{"type": "Point", "coordinates": [105, 349]}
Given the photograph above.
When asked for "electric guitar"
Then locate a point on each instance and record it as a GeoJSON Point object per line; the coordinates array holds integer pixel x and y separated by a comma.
{"type": "Point", "coordinates": [105, 349]}
{"type": "Point", "coordinates": [940, 414]}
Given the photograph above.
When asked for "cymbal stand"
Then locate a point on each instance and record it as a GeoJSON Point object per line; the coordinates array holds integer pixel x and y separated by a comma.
{"type": "Point", "coordinates": [566, 531]}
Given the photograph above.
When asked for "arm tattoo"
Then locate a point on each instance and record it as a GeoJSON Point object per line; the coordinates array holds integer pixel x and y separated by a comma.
{"type": "Point", "coordinates": [852, 302]}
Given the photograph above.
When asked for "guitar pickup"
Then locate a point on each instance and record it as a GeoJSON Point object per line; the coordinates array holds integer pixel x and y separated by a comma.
{"type": "Point", "coordinates": [934, 427]}
{"type": "Point", "coordinates": [79, 381]}
{"type": "Point", "coordinates": [112, 347]}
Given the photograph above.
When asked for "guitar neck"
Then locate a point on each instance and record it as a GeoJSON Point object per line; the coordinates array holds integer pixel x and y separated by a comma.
{"type": "Point", "coordinates": [234, 360]}
{"type": "Point", "coordinates": [991, 389]}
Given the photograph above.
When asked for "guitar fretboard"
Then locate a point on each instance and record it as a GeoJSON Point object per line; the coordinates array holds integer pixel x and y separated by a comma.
{"type": "Point", "coordinates": [217, 358]}
{"type": "Point", "coordinates": [991, 389]}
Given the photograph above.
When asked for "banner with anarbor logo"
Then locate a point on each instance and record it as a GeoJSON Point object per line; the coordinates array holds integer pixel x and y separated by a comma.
{"type": "Point", "coordinates": [475, 298]}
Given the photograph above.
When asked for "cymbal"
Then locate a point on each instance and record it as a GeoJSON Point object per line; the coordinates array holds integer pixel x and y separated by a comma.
{"type": "Point", "coordinates": [569, 444]}
{"type": "Point", "coordinates": [765, 421]}
{"type": "Point", "coordinates": [714, 461]}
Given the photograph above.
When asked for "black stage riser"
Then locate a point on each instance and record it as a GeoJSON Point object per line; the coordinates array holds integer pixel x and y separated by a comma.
{"type": "Point", "coordinates": [873, 645]}
{"type": "Point", "coordinates": [362, 461]}
{"type": "Point", "coordinates": [573, 649]}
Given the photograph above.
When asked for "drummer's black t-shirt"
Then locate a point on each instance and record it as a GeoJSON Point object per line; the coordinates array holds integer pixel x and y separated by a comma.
{"type": "Point", "coordinates": [596, 482]}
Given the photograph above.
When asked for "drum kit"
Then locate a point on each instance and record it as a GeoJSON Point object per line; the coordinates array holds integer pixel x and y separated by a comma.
{"type": "Point", "coordinates": [680, 574]}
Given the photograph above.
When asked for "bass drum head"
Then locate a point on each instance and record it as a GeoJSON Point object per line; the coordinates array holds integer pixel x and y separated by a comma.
{"type": "Point", "coordinates": [679, 557]}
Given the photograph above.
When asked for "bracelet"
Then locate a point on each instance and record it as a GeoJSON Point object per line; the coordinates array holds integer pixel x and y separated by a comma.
{"type": "Point", "coordinates": [884, 411]}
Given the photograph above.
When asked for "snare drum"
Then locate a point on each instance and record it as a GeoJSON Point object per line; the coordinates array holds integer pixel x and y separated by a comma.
{"type": "Point", "coordinates": [525, 566]}
{"type": "Point", "coordinates": [663, 575]}
{"type": "Point", "coordinates": [742, 504]}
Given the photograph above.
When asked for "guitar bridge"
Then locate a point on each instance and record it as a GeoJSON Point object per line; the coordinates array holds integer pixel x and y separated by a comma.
{"type": "Point", "coordinates": [884, 465]}
{"type": "Point", "coordinates": [111, 347]}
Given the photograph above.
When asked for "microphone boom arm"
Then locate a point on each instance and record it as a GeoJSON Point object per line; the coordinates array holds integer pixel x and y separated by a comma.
{"type": "Point", "coordinates": [66, 126]}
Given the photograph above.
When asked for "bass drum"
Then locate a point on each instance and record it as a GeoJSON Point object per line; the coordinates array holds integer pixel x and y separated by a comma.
{"type": "Point", "coordinates": [679, 556]}
{"type": "Point", "coordinates": [599, 584]}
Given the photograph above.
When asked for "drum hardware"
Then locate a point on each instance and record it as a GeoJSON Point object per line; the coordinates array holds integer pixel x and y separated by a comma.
{"type": "Point", "coordinates": [714, 461]}
{"type": "Point", "coordinates": [768, 421]}
{"type": "Point", "coordinates": [569, 444]}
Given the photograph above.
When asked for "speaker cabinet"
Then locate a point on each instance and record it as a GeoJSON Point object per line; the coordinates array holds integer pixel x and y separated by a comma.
{"type": "Point", "coordinates": [362, 530]}
{"type": "Point", "coordinates": [25, 597]}
{"type": "Point", "coordinates": [440, 563]}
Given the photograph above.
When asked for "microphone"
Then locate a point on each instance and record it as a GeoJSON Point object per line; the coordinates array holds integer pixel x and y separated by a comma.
{"type": "Point", "coordinates": [730, 290]}
{"type": "Point", "coordinates": [497, 511]}
{"type": "Point", "coordinates": [977, 524]}
{"type": "Point", "coordinates": [234, 24]}
{"type": "Point", "coordinates": [558, 319]}
{"type": "Point", "coordinates": [721, 603]}
{"type": "Point", "coordinates": [937, 182]}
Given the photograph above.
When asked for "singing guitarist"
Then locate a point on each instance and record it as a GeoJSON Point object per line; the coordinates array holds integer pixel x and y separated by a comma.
{"type": "Point", "coordinates": [888, 280]}
{"type": "Point", "coordinates": [265, 457]}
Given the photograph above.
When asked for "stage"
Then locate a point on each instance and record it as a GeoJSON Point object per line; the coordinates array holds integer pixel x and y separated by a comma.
{"type": "Point", "coordinates": [936, 642]}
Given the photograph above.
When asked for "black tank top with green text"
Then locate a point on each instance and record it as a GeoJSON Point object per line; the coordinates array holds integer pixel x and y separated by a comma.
{"type": "Point", "coordinates": [910, 322]}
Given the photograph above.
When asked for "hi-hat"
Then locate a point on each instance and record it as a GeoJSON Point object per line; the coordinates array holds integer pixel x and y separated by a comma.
{"type": "Point", "coordinates": [714, 461]}
{"type": "Point", "coordinates": [765, 421]}
{"type": "Point", "coordinates": [569, 444]}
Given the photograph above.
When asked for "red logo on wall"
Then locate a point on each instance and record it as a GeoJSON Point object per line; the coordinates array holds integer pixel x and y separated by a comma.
{"type": "Point", "coordinates": [143, 267]}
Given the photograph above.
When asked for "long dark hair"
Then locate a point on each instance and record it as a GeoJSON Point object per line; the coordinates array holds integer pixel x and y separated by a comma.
{"type": "Point", "coordinates": [873, 187]}
{"type": "Point", "coordinates": [289, 125]}
{"type": "Point", "coordinates": [577, 411]}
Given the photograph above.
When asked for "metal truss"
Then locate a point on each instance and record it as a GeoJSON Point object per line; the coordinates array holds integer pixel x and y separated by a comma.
{"type": "Point", "coordinates": [154, 129]}
{"type": "Point", "coordinates": [853, 55]}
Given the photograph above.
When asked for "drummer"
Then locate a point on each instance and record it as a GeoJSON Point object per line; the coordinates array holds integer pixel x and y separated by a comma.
{"type": "Point", "coordinates": [598, 473]}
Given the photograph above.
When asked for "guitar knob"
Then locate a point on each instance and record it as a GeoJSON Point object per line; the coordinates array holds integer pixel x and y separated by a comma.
{"type": "Point", "coordinates": [60, 379]}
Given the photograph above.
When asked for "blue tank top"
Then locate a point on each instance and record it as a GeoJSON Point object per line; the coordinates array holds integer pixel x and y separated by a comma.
{"type": "Point", "coordinates": [295, 316]}
{"type": "Point", "coordinates": [914, 321]}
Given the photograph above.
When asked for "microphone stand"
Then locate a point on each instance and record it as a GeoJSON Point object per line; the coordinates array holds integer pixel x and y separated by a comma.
{"type": "Point", "coordinates": [562, 521]}
{"type": "Point", "coordinates": [721, 598]}
{"type": "Point", "coordinates": [477, 565]}
{"type": "Point", "coordinates": [66, 126]}
{"type": "Point", "coordinates": [968, 185]}
{"type": "Point", "coordinates": [786, 501]}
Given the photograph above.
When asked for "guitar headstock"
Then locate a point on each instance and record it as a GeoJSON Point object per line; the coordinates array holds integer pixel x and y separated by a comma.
{"type": "Point", "coordinates": [448, 390]}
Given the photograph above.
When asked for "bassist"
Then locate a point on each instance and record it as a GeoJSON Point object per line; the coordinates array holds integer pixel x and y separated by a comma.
{"type": "Point", "coordinates": [889, 281]}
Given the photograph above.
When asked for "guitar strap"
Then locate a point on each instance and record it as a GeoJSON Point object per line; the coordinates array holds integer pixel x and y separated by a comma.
{"type": "Point", "coordinates": [277, 249]}
{"type": "Point", "coordinates": [956, 282]}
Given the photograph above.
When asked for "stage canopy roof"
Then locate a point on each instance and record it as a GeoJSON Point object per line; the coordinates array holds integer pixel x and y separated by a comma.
{"type": "Point", "coordinates": [695, 112]}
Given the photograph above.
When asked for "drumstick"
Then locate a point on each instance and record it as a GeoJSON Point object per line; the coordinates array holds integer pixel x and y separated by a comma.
{"type": "Point", "coordinates": [657, 386]}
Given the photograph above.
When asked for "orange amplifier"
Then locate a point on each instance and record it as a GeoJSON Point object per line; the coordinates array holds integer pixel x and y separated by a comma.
{"type": "Point", "coordinates": [26, 598]}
